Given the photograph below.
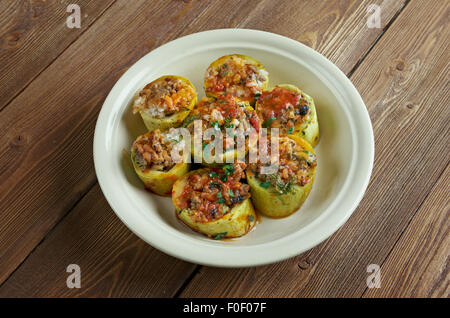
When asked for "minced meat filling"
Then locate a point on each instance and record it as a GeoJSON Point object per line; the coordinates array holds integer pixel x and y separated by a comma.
{"type": "Point", "coordinates": [282, 108]}
{"type": "Point", "coordinates": [237, 77]}
{"type": "Point", "coordinates": [164, 97]}
{"type": "Point", "coordinates": [295, 164]}
{"type": "Point", "coordinates": [224, 114]}
{"type": "Point", "coordinates": [152, 151]}
{"type": "Point", "coordinates": [212, 193]}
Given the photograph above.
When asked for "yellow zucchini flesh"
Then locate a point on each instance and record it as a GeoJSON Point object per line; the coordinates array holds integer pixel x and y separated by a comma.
{"type": "Point", "coordinates": [307, 128]}
{"type": "Point", "coordinates": [160, 182]}
{"type": "Point", "coordinates": [199, 113]}
{"type": "Point", "coordinates": [235, 223]}
{"type": "Point", "coordinates": [270, 202]}
{"type": "Point", "coordinates": [173, 120]}
{"type": "Point", "coordinates": [229, 75]}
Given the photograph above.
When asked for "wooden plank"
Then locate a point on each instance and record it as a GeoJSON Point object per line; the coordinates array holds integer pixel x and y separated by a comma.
{"type": "Point", "coordinates": [78, 81]}
{"type": "Point", "coordinates": [113, 261]}
{"type": "Point", "coordinates": [418, 265]}
{"type": "Point", "coordinates": [337, 29]}
{"type": "Point", "coordinates": [46, 132]}
{"type": "Point", "coordinates": [404, 82]}
{"type": "Point", "coordinates": [33, 34]}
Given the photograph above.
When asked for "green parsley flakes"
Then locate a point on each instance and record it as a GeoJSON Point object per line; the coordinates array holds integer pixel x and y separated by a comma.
{"type": "Point", "coordinates": [219, 236]}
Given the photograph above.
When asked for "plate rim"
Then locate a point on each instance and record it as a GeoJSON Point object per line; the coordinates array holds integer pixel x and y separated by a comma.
{"type": "Point", "coordinates": [225, 257]}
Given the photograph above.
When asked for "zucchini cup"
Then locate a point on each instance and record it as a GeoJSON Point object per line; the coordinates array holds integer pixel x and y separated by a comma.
{"type": "Point", "coordinates": [292, 111]}
{"type": "Point", "coordinates": [235, 121]}
{"type": "Point", "coordinates": [239, 75]}
{"type": "Point", "coordinates": [214, 202]}
{"type": "Point", "coordinates": [281, 193]}
{"type": "Point", "coordinates": [165, 102]}
{"type": "Point", "coordinates": [152, 159]}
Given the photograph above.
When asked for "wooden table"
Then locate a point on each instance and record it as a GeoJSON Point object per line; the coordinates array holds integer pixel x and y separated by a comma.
{"type": "Point", "coordinates": [54, 80]}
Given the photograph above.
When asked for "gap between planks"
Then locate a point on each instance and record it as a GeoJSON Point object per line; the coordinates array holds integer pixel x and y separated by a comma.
{"type": "Point", "coordinates": [407, 226]}
{"type": "Point", "coordinates": [54, 59]}
{"type": "Point", "coordinates": [349, 74]}
{"type": "Point", "coordinates": [94, 181]}
{"type": "Point", "coordinates": [197, 268]}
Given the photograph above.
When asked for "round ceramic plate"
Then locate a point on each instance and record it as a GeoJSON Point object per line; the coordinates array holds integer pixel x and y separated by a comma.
{"type": "Point", "coordinates": [345, 151]}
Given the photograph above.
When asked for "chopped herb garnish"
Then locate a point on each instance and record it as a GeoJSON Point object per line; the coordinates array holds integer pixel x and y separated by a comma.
{"type": "Point", "coordinates": [224, 70]}
{"type": "Point", "coordinates": [228, 124]}
{"type": "Point", "coordinates": [268, 122]}
{"type": "Point", "coordinates": [265, 185]}
{"type": "Point", "coordinates": [219, 236]}
{"type": "Point", "coordinates": [213, 174]}
{"type": "Point", "coordinates": [189, 120]}
{"type": "Point", "coordinates": [228, 169]}
{"type": "Point", "coordinates": [224, 208]}
{"type": "Point", "coordinates": [231, 193]}
{"type": "Point", "coordinates": [282, 187]}
{"type": "Point", "coordinates": [251, 218]}
{"type": "Point", "coordinates": [221, 199]}
{"type": "Point", "coordinates": [291, 130]}
{"type": "Point", "coordinates": [215, 124]}
{"type": "Point", "coordinates": [257, 95]}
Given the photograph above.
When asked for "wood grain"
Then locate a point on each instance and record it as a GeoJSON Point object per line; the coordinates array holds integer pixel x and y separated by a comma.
{"type": "Point", "coordinates": [337, 29]}
{"type": "Point", "coordinates": [418, 265]}
{"type": "Point", "coordinates": [404, 82]}
{"type": "Point", "coordinates": [46, 144]}
{"type": "Point", "coordinates": [113, 261]}
{"type": "Point", "coordinates": [46, 132]}
{"type": "Point", "coordinates": [33, 34]}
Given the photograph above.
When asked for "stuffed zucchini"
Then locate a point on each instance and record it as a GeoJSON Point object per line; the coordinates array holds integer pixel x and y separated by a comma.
{"type": "Point", "coordinates": [153, 161]}
{"type": "Point", "coordinates": [286, 107]}
{"type": "Point", "coordinates": [165, 102]}
{"type": "Point", "coordinates": [233, 120]}
{"type": "Point", "coordinates": [239, 75]}
{"type": "Point", "coordinates": [281, 193]}
{"type": "Point", "coordinates": [214, 201]}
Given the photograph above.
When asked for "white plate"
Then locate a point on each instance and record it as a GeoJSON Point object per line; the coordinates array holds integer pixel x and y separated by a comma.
{"type": "Point", "coordinates": [345, 151]}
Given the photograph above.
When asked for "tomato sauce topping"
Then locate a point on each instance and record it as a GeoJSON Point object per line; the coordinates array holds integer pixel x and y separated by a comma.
{"type": "Point", "coordinates": [282, 108]}
{"type": "Point", "coordinates": [152, 151]}
{"type": "Point", "coordinates": [294, 168]}
{"type": "Point", "coordinates": [226, 114]}
{"type": "Point", "coordinates": [212, 193]}
{"type": "Point", "coordinates": [235, 76]}
{"type": "Point", "coordinates": [164, 97]}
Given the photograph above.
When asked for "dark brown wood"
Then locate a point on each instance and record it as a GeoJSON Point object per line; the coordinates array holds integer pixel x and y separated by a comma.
{"type": "Point", "coordinates": [46, 132]}
{"type": "Point", "coordinates": [337, 29]}
{"type": "Point", "coordinates": [418, 264]}
{"type": "Point", "coordinates": [46, 161]}
{"type": "Point", "coordinates": [404, 82]}
{"type": "Point", "coordinates": [113, 261]}
{"type": "Point", "coordinates": [33, 34]}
